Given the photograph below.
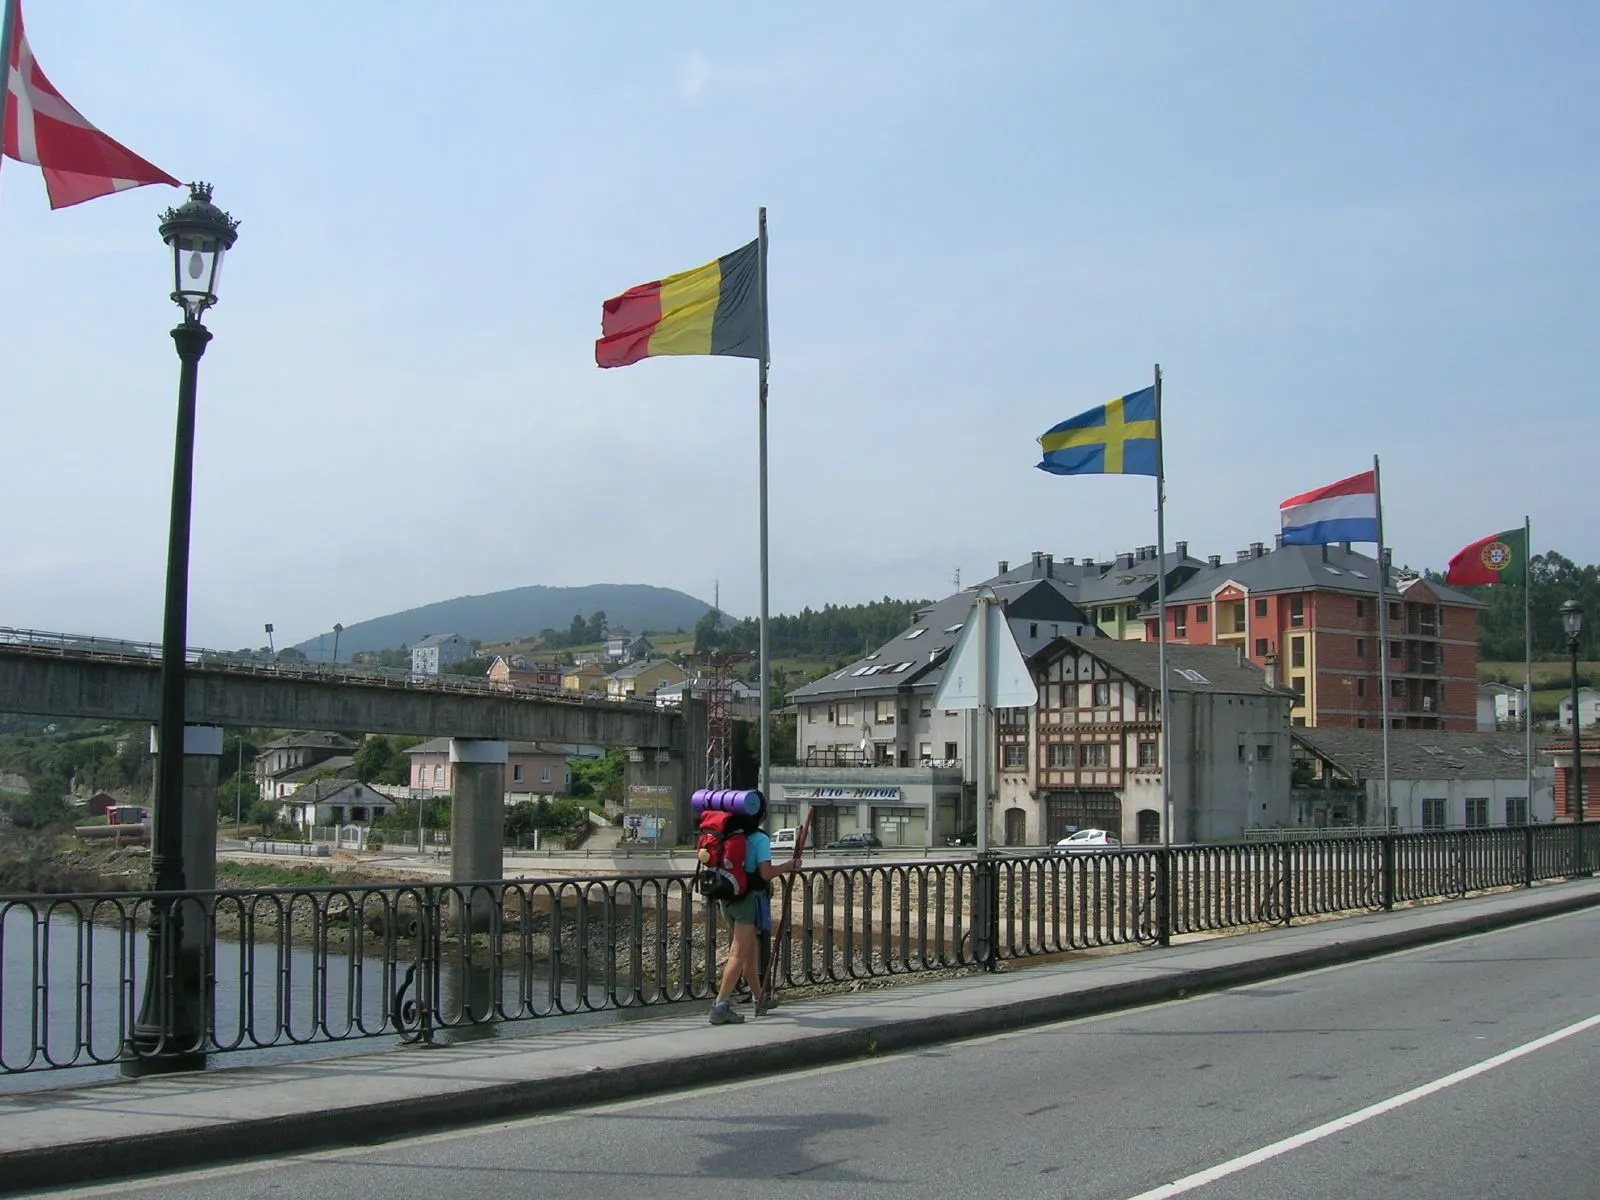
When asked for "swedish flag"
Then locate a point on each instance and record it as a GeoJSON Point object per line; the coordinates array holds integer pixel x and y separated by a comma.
{"type": "Point", "coordinates": [1118, 438]}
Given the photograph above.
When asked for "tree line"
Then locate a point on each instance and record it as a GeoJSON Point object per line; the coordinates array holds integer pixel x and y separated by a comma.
{"type": "Point", "coordinates": [834, 631]}
{"type": "Point", "coordinates": [1554, 579]}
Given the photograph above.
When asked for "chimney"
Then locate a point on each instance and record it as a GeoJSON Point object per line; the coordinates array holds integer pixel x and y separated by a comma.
{"type": "Point", "coordinates": [1049, 566]}
{"type": "Point", "coordinates": [1270, 667]}
{"type": "Point", "coordinates": [1257, 549]}
{"type": "Point", "coordinates": [1127, 559]}
{"type": "Point", "coordinates": [1183, 549]}
{"type": "Point", "coordinates": [1088, 561]}
{"type": "Point", "coordinates": [1239, 652]}
{"type": "Point", "coordinates": [1214, 560]}
{"type": "Point", "coordinates": [1241, 556]}
{"type": "Point", "coordinates": [1277, 542]}
{"type": "Point", "coordinates": [1004, 567]}
{"type": "Point", "coordinates": [1069, 560]}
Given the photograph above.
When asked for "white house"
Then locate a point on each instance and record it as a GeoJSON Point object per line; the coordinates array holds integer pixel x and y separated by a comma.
{"type": "Point", "coordinates": [1506, 706]}
{"type": "Point", "coordinates": [1588, 709]}
{"type": "Point", "coordinates": [432, 654]}
{"type": "Point", "coordinates": [745, 700]}
{"type": "Point", "coordinates": [1437, 780]}
{"type": "Point", "coordinates": [334, 802]}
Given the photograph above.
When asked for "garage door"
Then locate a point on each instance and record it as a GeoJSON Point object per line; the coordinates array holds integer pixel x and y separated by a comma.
{"type": "Point", "coordinates": [1086, 810]}
{"type": "Point", "coordinates": [901, 826]}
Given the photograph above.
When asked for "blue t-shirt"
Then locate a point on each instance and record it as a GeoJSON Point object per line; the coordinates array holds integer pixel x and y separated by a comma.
{"type": "Point", "coordinates": [757, 850]}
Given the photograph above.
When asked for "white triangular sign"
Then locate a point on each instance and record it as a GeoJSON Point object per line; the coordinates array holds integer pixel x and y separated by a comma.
{"type": "Point", "coordinates": [1010, 684]}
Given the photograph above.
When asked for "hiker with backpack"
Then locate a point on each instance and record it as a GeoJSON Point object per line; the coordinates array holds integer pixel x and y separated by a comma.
{"type": "Point", "coordinates": [736, 870]}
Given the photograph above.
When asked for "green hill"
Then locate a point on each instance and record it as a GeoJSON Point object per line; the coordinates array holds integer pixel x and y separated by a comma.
{"type": "Point", "coordinates": [518, 613]}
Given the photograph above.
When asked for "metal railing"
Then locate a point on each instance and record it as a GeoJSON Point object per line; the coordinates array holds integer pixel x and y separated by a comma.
{"type": "Point", "coordinates": [431, 962]}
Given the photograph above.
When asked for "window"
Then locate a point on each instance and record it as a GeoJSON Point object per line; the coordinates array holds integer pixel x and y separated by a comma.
{"type": "Point", "coordinates": [1516, 810]}
{"type": "Point", "coordinates": [1264, 752]}
{"type": "Point", "coordinates": [811, 714]}
{"type": "Point", "coordinates": [1202, 614]}
{"type": "Point", "coordinates": [1058, 756]}
{"type": "Point", "coordinates": [1101, 694]}
{"type": "Point", "coordinates": [1433, 814]}
{"type": "Point", "coordinates": [845, 714]}
{"type": "Point", "coordinates": [1238, 617]}
{"type": "Point", "coordinates": [1297, 652]}
{"type": "Point", "coordinates": [1297, 610]}
{"type": "Point", "coordinates": [1016, 757]}
{"type": "Point", "coordinates": [1095, 754]}
{"type": "Point", "coordinates": [1148, 752]}
{"type": "Point", "coordinates": [1361, 722]}
{"type": "Point", "coordinates": [1395, 650]}
{"type": "Point", "coordinates": [1361, 609]}
{"type": "Point", "coordinates": [1477, 812]}
{"type": "Point", "coordinates": [924, 750]}
{"type": "Point", "coordinates": [516, 773]}
{"type": "Point", "coordinates": [1397, 689]}
{"type": "Point", "coordinates": [1361, 689]}
{"type": "Point", "coordinates": [1299, 685]}
{"type": "Point", "coordinates": [884, 712]}
{"type": "Point", "coordinates": [1108, 615]}
{"type": "Point", "coordinates": [1361, 647]}
{"type": "Point", "coordinates": [1133, 612]}
{"type": "Point", "coordinates": [1298, 722]}
{"type": "Point", "coordinates": [951, 752]}
{"type": "Point", "coordinates": [438, 774]}
{"type": "Point", "coordinates": [1033, 630]}
{"type": "Point", "coordinates": [1394, 611]}
{"type": "Point", "coordinates": [1261, 647]}
{"type": "Point", "coordinates": [1180, 621]}
{"type": "Point", "coordinates": [1261, 607]}
{"type": "Point", "coordinates": [915, 634]}
{"type": "Point", "coordinates": [544, 773]}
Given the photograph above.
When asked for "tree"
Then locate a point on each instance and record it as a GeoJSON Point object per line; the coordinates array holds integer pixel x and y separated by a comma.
{"type": "Point", "coordinates": [708, 631]}
{"type": "Point", "coordinates": [600, 777]}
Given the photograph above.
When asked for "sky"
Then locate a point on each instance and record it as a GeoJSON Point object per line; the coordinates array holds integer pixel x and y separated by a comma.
{"type": "Point", "coordinates": [1342, 227]}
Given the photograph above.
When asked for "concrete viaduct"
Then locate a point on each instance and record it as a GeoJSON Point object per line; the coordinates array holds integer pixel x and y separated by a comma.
{"type": "Point", "coordinates": [668, 745]}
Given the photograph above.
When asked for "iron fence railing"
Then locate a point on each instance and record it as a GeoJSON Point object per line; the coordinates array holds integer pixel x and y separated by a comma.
{"type": "Point", "coordinates": [427, 962]}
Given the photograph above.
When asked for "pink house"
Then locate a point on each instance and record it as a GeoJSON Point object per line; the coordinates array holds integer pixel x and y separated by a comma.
{"type": "Point", "coordinates": [532, 769]}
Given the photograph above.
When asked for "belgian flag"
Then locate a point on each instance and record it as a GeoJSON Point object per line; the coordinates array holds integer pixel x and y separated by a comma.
{"type": "Point", "coordinates": [714, 309]}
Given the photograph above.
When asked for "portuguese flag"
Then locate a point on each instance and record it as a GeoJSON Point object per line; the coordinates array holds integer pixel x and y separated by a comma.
{"type": "Point", "coordinates": [1498, 558]}
{"type": "Point", "coordinates": [714, 309]}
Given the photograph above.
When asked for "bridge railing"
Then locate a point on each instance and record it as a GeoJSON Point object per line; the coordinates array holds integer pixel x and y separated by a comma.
{"type": "Point", "coordinates": [426, 962]}
{"type": "Point", "coordinates": [66, 645]}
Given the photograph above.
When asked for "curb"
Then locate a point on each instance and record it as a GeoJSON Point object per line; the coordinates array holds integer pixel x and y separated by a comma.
{"type": "Point", "coordinates": [121, 1158]}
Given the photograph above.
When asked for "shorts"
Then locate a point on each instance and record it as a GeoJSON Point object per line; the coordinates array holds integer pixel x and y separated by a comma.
{"type": "Point", "coordinates": [743, 911]}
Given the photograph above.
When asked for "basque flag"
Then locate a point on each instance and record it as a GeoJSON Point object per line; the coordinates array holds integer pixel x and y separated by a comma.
{"type": "Point", "coordinates": [1346, 511]}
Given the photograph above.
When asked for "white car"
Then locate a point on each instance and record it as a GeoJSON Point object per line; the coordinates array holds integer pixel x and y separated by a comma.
{"type": "Point", "coordinates": [1088, 839]}
{"type": "Point", "coordinates": [783, 839]}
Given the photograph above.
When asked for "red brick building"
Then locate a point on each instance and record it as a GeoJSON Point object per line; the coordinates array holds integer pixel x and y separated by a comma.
{"type": "Point", "coordinates": [1313, 610]}
{"type": "Point", "coordinates": [1566, 808]}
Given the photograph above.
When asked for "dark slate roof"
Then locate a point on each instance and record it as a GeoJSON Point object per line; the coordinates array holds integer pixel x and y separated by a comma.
{"type": "Point", "coordinates": [319, 791]}
{"type": "Point", "coordinates": [1127, 580]}
{"type": "Point", "coordinates": [1033, 609]}
{"type": "Point", "coordinates": [1420, 753]}
{"type": "Point", "coordinates": [1299, 568]}
{"type": "Point", "coordinates": [339, 762]}
{"type": "Point", "coordinates": [1211, 670]}
{"type": "Point", "coordinates": [436, 639]}
{"type": "Point", "coordinates": [441, 745]}
{"type": "Point", "coordinates": [314, 739]}
{"type": "Point", "coordinates": [638, 668]}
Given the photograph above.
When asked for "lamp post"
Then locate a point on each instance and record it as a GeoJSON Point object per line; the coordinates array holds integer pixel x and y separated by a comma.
{"type": "Point", "coordinates": [1572, 622]}
{"type": "Point", "coordinates": [272, 650]}
{"type": "Point", "coordinates": [337, 630]}
{"type": "Point", "coordinates": [169, 1032]}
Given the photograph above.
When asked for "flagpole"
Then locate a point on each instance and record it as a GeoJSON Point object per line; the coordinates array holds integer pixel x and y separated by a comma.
{"type": "Point", "coordinates": [766, 663]}
{"type": "Point", "coordinates": [1383, 640]}
{"type": "Point", "coordinates": [1161, 625]}
{"type": "Point", "coordinates": [1527, 651]}
{"type": "Point", "coordinates": [8, 37]}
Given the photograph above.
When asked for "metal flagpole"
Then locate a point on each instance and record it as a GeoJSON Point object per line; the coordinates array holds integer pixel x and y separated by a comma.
{"type": "Point", "coordinates": [1383, 640]}
{"type": "Point", "coordinates": [1161, 623]}
{"type": "Point", "coordinates": [766, 662]}
{"type": "Point", "coordinates": [1527, 650]}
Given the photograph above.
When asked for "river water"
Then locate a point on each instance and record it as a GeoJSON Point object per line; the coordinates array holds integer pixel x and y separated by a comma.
{"type": "Point", "coordinates": [71, 988]}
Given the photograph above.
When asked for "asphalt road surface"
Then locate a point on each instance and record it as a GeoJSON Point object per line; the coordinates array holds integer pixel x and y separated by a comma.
{"type": "Point", "coordinates": [1450, 1073]}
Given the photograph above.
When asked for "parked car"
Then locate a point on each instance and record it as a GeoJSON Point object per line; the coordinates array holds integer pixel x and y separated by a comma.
{"type": "Point", "coordinates": [855, 841]}
{"type": "Point", "coordinates": [1088, 839]}
{"type": "Point", "coordinates": [783, 839]}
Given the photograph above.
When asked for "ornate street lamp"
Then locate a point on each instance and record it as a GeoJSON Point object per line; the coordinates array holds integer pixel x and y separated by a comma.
{"type": "Point", "coordinates": [1572, 622]}
{"type": "Point", "coordinates": [337, 630]}
{"type": "Point", "coordinates": [170, 1030]}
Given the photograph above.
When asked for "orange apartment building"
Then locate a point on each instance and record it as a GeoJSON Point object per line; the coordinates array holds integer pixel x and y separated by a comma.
{"type": "Point", "coordinates": [1312, 611]}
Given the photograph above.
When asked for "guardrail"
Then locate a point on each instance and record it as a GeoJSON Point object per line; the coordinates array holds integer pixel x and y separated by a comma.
{"type": "Point", "coordinates": [64, 645]}
{"type": "Point", "coordinates": [426, 962]}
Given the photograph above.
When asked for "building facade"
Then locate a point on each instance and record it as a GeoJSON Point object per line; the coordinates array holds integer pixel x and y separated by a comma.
{"type": "Point", "coordinates": [1437, 780]}
{"type": "Point", "coordinates": [641, 679]}
{"type": "Point", "coordinates": [1090, 754]}
{"type": "Point", "coordinates": [438, 651]}
{"type": "Point", "coordinates": [516, 669]}
{"type": "Point", "coordinates": [284, 763]}
{"type": "Point", "coordinates": [1588, 709]}
{"type": "Point", "coordinates": [875, 755]}
{"type": "Point", "coordinates": [325, 802]}
{"type": "Point", "coordinates": [1315, 609]}
{"type": "Point", "coordinates": [533, 769]}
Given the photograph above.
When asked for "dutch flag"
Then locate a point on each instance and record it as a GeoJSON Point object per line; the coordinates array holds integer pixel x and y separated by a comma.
{"type": "Point", "coordinates": [1346, 511]}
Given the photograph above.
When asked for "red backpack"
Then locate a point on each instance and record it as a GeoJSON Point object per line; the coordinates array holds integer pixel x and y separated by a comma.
{"type": "Point", "coordinates": [720, 851]}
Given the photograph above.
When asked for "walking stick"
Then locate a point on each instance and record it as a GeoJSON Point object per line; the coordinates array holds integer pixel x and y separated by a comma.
{"type": "Point", "coordinates": [770, 975]}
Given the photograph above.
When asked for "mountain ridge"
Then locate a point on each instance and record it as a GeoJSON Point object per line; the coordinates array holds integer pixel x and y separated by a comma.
{"type": "Point", "coordinates": [515, 613]}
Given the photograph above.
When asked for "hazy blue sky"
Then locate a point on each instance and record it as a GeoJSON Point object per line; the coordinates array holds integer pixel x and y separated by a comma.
{"type": "Point", "coordinates": [1342, 227]}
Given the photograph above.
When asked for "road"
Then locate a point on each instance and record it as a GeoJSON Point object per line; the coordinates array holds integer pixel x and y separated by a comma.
{"type": "Point", "coordinates": [1457, 1071]}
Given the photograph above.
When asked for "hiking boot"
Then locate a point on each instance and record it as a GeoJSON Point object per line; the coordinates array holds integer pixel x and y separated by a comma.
{"type": "Point", "coordinates": [766, 1004]}
{"type": "Point", "coordinates": [722, 1014]}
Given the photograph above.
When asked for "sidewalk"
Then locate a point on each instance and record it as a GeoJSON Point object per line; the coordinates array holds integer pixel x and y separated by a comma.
{"type": "Point", "coordinates": [64, 1136]}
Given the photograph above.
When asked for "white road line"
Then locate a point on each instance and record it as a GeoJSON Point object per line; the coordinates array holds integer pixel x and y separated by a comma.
{"type": "Point", "coordinates": [1233, 1166]}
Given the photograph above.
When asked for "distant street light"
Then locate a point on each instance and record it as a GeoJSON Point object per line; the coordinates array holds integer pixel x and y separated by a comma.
{"type": "Point", "coordinates": [337, 630]}
{"type": "Point", "coordinates": [1572, 622]}
{"type": "Point", "coordinates": [169, 1032]}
